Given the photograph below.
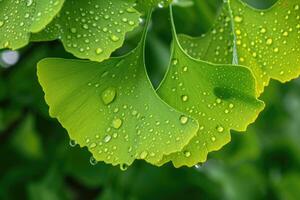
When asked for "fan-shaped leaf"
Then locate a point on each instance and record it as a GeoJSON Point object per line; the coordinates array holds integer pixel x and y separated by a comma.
{"type": "Point", "coordinates": [92, 29]}
{"type": "Point", "coordinates": [266, 41]}
{"type": "Point", "coordinates": [220, 97]}
{"type": "Point", "coordinates": [111, 108]}
{"type": "Point", "coordinates": [19, 18]}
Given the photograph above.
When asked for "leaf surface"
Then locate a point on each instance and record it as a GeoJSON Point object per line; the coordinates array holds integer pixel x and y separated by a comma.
{"type": "Point", "coordinates": [92, 29]}
{"type": "Point", "coordinates": [266, 41]}
{"type": "Point", "coordinates": [220, 97]}
{"type": "Point", "coordinates": [112, 108]}
{"type": "Point", "coordinates": [19, 18]}
{"type": "Point", "coordinates": [214, 46]}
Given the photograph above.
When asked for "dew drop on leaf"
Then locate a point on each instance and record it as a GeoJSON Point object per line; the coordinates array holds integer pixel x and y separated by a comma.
{"type": "Point", "coordinates": [183, 119]}
{"type": "Point", "coordinates": [117, 123]}
{"type": "Point", "coordinates": [220, 129]}
{"type": "Point", "coordinates": [72, 143]}
{"type": "Point", "coordinates": [123, 167]}
{"type": "Point", "coordinates": [184, 98]}
{"type": "Point", "coordinates": [107, 138]}
{"type": "Point", "coordinates": [93, 161]}
{"type": "Point", "coordinates": [187, 154]}
{"type": "Point", "coordinates": [108, 95]}
{"type": "Point", "coordinates": [144, 155]}
{"type": "Point", "coordinates": [93, 145]}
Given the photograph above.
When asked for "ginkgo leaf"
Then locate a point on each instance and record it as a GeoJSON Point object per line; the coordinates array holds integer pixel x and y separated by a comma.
{"type": "Point", "coordinates": [112, 108]}
{"type": "Point", "coordinates": [216, 45]}
{"type": "Point", "coordinates": [264, 40]}
{"type": "Point", "coordinates": [20, 18]}
{"type": "Point", "coordinates": [268, 41]}
{"type": "Point", "coordinates": [92, 29]}
{"type": "Point", "coordinates": [220, 97]}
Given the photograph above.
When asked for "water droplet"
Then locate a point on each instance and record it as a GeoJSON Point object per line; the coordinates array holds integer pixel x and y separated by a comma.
{"type": "Point", "coordinates": [29, 2]}
{"type": "Point", "coordinates": [183, 119]}
{"type": "Point", "coordinates": [144, 155]}
{"type": "Point", "coordinates": [187, 154]}
{"type": "Point", "coordinates": [184, 98]}
{"type": "Point", "coordinates": [108, 95]}
{"type": "Point", "coordinates": [174, 61]}
{"type": "Point", "coordinates": [263, 30]}
{"type": "Point", "coordinates": [198, 166]}
{"type": "Point", "coordinates": [269, 41]}
{"type": "Point", "coordinates": [130, 10]}
{"type": "Point", "coordinates": [114, 38]}
{"type": "Point", "coordinates": [93, 161]}
{"type": "Point", "coordinates": [238, 19]}
{"type": "Point", "coordinates": [93, 145]}
{"type": "Point", "coordinates": [73, 30]}
{"type": "Point", "coordinates": [107, 138]}
{"type": "Point", "coordinates": [72, 143]}
{"type": "Point", "coordinates": [99, 51]}
{"type": "Point", "coordinates": [123, 167]}
{"type": "Point", "coordinates": [117, 123]}
{"type": "Point", "coordinates": [220, 129]}
{"type": "Point", "coordinates": [1, 23]}
{"type": "Point", "coordinates": [185, 69]}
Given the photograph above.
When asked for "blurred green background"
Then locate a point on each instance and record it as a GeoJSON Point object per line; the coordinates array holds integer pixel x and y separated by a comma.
{"type": "Point", "coordinates": [37, 162]}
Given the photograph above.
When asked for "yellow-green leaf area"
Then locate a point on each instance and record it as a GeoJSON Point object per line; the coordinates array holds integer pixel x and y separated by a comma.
{"type": "Point", "coordinates": [19, 18]}
{"type": "Point", "coordinates": [112, 108]}
{"type": "Point", "coordinates": [221, 97]}
{"type": "Point", "coordinates": [214, 46]}
{"type": "Point", "coordinates": [268, 41]}
{"type": "Point", "coordinates": [92, 29]}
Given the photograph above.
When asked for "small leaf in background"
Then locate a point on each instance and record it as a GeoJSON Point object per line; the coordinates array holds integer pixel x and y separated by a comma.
{"type": "Point", "coordinates": [92, 29]}
{"type": "Point", "coordinates": [20, 18]}
{"type": "Point", "coordinates": [32, 148]}
{"type": "Point", "coordinates": [287, 186]}
{"type": "Point", "coordinates": [50, 187]}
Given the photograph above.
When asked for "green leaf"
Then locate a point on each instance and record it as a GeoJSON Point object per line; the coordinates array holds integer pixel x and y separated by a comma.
{"type": "Point", "coordinates": [220, 97]}
{"type": "Point", "coordinates": [20, 18]}
{"type": "Point", "coordinates": [50, 187]}
{"type": "Point", "coordinates": [112, 108]}
{"type": "Point", "coordinates": [92, 30]}
{"type": "Point", "coordinates": [216, 45]}
{"type": "Point", "coordinates": [268, 40]}
{"type": "Point", "coordinates": [26, 139]}
{"type": "Point", "coordinates": [264, 43]}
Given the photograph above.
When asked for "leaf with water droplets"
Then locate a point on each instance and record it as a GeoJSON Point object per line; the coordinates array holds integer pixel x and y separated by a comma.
{"type": "Point", "coordinates": [92, 29]}
{"type": "Point", "coordinates": [266, 41]}
{"type": "Point", "coordinates": [221, 97]}
{"type": "Point", "coordinates": [20, 18]}
{"type": "Point", "coordinates": [214, 46]}
{"type": "Point", "coordinates": [112, 108]}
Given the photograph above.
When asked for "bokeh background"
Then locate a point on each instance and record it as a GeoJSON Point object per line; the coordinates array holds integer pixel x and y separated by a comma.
{"type": "Point", "coordinates": [37, 162]}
